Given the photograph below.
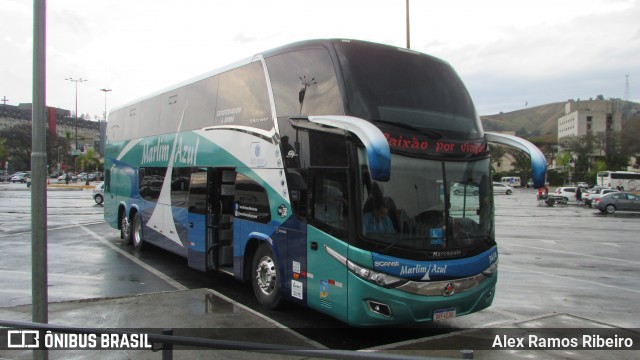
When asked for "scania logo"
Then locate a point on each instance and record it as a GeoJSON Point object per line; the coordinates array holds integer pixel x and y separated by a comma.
{"type": "Point", "coordinates": [449, 289]}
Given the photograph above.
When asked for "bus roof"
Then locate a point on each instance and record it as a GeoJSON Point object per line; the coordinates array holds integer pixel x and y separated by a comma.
{"type": "Point", "coordinates": [278, 50]}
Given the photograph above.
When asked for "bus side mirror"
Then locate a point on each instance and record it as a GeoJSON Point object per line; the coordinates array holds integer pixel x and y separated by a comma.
{"type": "Point", "coordinates": [378, 152]}
{"type": "Point", "coordinates": [538, 161]}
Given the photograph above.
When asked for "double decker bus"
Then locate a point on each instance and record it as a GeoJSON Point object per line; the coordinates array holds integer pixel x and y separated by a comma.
{"type": "Point", "coordinates": [624, 180]}
{"type": "Point", "coordinates": [323, 173]}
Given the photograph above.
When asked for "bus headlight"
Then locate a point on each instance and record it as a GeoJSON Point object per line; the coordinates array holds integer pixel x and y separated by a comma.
{"type": "Point", "coordinates": [369, 275]}
{"type": "Point", "coordinates": [378, 278]}
{"type": "Point", "coordinates": [490, 270]}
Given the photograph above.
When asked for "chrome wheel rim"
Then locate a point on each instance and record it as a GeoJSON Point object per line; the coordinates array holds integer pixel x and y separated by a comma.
{"type": "Point", "coordinates": [137, 232]}
{"type": "Point", "coordinates": [266, 275]}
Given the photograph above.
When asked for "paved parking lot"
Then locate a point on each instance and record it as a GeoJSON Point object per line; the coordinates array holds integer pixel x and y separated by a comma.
{"type": "Point", "coordinates": [566, 259]}
{"type": "Point", "coordinates": [558, 262]}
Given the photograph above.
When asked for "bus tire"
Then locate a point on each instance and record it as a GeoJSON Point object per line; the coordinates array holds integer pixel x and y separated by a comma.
{"type": "Point", "coordinates": [125, 229]}
{"type": "Point", "coordinates": [265, 278]}
{"type": "Point", "coordinates": [136, 232]}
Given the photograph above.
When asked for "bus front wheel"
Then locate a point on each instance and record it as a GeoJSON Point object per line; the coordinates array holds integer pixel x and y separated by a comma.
{"type": "Point", "coordinates": [265, 279]}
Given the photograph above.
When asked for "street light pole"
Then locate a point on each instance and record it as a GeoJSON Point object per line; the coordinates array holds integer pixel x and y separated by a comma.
{"type": "Point", "coordinates": [105, 102]}
{"type": "Point", "coordinates": [102, 137]}
{"type": "Point", "coordinates": [76, 125]}
{"type": "Point", "coordinates": [408, 32]}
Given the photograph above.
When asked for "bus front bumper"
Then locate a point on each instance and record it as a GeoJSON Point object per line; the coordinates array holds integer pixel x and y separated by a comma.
{"type": "Point", "coordinates": [372, 305]}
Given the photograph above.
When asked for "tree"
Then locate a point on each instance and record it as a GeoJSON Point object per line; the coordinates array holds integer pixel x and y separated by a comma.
{"type": "Point", "coordinates": [563, 159]}
{"type": "Point", "coordinates": [630, 134]}
{"type": "Point", "coordinates": [616, 156]}
{"type": "Point", "coordinates": [3, 151]}
{"type": "Point", "coordinates": [496, 152]}
{"type": "Point", "coordinates": [581, 148]}
{"type": "Point", "coordinates": [18, 144]}
{"type": "Point", "coordinates": [90, 160]}
{"type": "Point", "coordinates": [521, 162]}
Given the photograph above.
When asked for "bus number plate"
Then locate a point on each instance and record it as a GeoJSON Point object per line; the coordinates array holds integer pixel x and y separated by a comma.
{"type": "Point", "coordinates": [444, 314]}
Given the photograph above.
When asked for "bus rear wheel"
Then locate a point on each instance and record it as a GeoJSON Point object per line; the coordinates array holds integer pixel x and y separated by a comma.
{"type": "Point", "coordinates": [136, 232]}
{"type": "Point", "coordinates": [125, 229]}
{"type": "Point", "coordinates": [265, 279]}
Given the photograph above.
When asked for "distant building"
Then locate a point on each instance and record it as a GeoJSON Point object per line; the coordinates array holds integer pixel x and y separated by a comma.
{"type": "Point", "coordinates": [59, 122]}
{"type": "Point", "coordinates": [598, 117]}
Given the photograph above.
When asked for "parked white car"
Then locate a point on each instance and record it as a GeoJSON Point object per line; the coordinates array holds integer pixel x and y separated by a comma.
{"type": "Point", "coordinates": [98, 193]}
{"type": "Point", "coordinates": [569, 193]}
{"type": "Point", "coordinates": [500, 188]}
{"type": "Point", "coordinates": [20, 177]}
{"type": "Point", "coordinates": [63, 178]}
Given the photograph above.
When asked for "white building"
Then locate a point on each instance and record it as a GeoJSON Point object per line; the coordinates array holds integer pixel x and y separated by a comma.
{"type": "Point", "coordinates": [597, 117]}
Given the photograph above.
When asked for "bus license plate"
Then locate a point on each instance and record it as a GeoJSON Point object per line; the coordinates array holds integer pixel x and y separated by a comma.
{"type": "Point", "coordinates": [444, 314]}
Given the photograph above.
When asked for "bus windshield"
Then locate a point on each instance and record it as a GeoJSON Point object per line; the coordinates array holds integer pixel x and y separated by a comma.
{"type": "Point", "coordinates": [414, 90]}
{"type": "Point", "coordinates": [429, 209]}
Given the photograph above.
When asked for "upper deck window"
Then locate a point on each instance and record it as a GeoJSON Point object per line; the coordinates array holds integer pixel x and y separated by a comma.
{"type": "Point", "coordinates": [400, 86]}
{"type": "Point", "coordinates": [243, 98]}
{"type": "Point", "coordinates": [304, 83]}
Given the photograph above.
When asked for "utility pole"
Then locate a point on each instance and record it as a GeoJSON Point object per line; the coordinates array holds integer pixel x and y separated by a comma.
{"type": "Point", "coordinates": [103, 125]}
{"type": "Point", "coordinates": [408, 28]}
{"type": "Point", "coordinates": [39, 293]}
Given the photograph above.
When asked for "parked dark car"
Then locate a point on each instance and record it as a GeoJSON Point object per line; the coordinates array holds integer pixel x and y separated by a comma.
{"type": "Point", "coordinates": [590, 195]}
{"type": "Point", "coordinates": [6, 177]}
{"type": "Point", "coordinates": [617, 201]}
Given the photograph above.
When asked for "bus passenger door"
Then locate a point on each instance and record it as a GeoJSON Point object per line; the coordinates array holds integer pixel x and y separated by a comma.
{"type": "Point", "coordinates": [200, 216]}
{"type": "Point", "coordinates": [210, 245]}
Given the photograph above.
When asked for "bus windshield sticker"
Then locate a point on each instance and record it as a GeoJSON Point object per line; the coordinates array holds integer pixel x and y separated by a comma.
{"type": "Point", "coordinates": [435, 236]}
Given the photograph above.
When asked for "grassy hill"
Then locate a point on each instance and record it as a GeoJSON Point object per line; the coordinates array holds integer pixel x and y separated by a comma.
{"type": "Point", "coordinates": [539, 120]}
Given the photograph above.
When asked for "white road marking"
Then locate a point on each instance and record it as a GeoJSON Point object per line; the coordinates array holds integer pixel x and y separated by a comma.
{"type": "Point", "coordinates": [578, 254]}
{"type": "Point", "coordinates": [179, 286]}
{"type": "Point", "coordinates": [139, 262]}
{"type": "Point", "coordinates": [611, 244]}
{"type": "Point", "coordinates": [27, 274]}
{"type": "Point", "coordinates": [620, 288]}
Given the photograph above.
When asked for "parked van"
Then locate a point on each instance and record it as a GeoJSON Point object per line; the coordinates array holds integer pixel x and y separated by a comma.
{"type": "Point", "coordinates": [513, 181]}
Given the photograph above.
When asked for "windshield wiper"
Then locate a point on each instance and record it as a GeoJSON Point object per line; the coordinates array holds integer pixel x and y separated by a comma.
{"type": "Point", "coordinates": [486, 238]}
{"type": "Point", "coordinates": [433, 135]}
{"type": "Point", "coordinates": [397, 241]}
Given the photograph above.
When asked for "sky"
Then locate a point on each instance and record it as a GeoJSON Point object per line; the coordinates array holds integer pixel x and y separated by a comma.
{"type": "Point", "coordinates": [510, 54]}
